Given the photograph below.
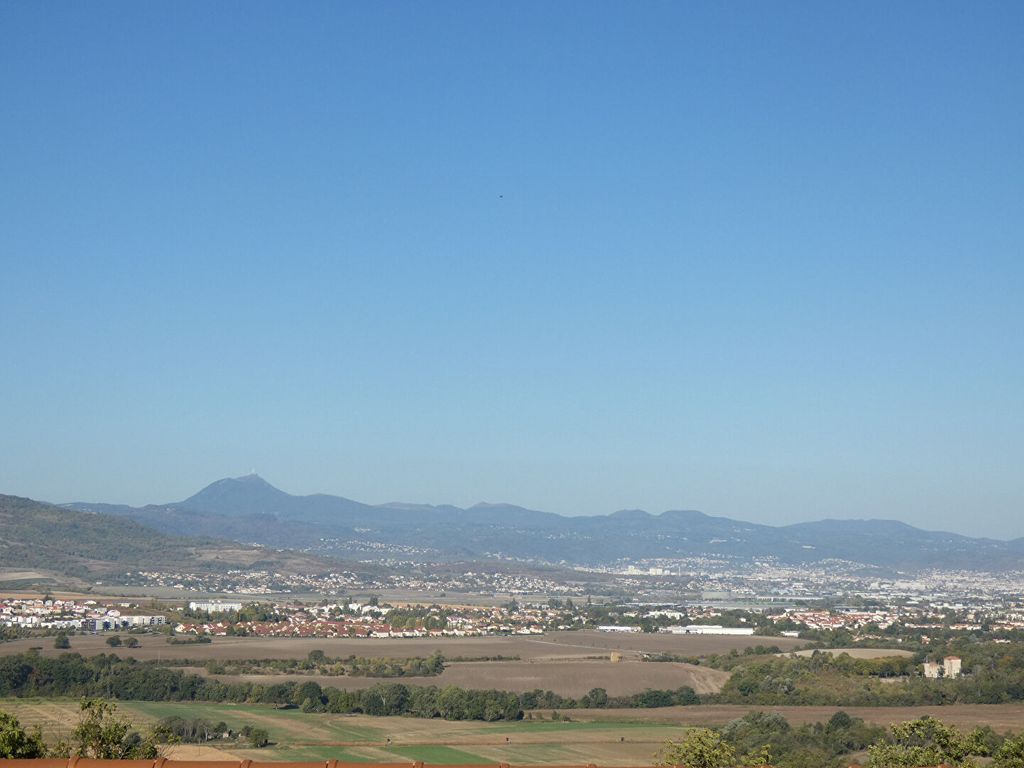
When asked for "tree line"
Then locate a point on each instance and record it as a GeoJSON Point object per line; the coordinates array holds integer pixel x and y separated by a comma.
{"type": "Point", "coordinates": [106, 675]}
{"type": "Point", "coordinates": [110, 676]}
{"type": "Point", "coordinates": [320, 663]}
{"type": "Point", "coordinates": [993, 674]}
{"type": "Point", "coordinates": [819, 679]}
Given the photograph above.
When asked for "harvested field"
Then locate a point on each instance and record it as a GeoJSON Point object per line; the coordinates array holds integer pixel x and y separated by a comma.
{"type": "Point", "coordinates": [567, 678]}
{"type": "Point", "coordinates": [198, 752]}
{"type": "Point", "coordinates": [858, 653]}
{"type": "Point", "coordinates": [642, 642]}
{"type": "Point", "coordinates": [239, 648]}
{"type": "Point", "coordinates": [552, 646]}
{"type": "Point", "coordinates": [575, 678]}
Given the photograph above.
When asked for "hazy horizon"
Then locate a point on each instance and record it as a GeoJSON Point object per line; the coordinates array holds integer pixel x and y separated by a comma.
{"type": "Point", "coordinates": [760, 261]}
{"type": "Point", "coordinates": [469, 504]}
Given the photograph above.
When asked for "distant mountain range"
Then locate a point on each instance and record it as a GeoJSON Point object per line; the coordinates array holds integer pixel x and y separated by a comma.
{"type": "Point", "coordinates": [251, 510]}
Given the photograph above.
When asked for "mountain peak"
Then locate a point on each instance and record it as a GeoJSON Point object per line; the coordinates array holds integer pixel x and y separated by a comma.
{"type": "Point", "coordinates": [252, 495]}
{"type": "Point", "coordinates": [246, 494]}
{"type": "Point", "coordinates": [251, 478]}
{"type": "Point", "coordinates": [631, 514]}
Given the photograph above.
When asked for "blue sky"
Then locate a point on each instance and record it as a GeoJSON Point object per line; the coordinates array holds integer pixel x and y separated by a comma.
{"type": "Point", "coordinates": [762, 260]}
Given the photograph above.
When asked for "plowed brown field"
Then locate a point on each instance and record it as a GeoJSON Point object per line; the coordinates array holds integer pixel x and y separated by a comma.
{"type": "Point", "coordinates": [552, 646]}
{"type": "Point", "coordinates": [565, 677]}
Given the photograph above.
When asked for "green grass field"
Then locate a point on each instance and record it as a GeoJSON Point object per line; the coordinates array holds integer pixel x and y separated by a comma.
{"type": "Point", "coordinates": [284, 725]}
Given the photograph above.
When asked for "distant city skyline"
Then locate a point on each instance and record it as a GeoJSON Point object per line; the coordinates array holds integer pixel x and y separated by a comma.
{"type": "Point", "coordinates": [760, 261]}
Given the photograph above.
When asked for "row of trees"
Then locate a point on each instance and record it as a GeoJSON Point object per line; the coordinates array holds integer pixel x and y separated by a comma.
{"type": "Point", "coordinates": [63, 642]}
{"type": "Point", "coordinates": [598, 698]}
{"type": "Point", "coordinates": [320, 663]}
{"type": "Point", "coordinates": [108, 675]}
{"type": "Point", "coordinates": [763, 680]}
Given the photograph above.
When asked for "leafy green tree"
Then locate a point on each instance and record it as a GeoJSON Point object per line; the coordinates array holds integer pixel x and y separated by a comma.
{"type": "Point", "coordinates": [925, 742]}
{"type": "Point", "coordinates": [1010, 753]}
{"type": "Point", "coordinates": [451, 702]}
{"type": "Point", "coordinates": [386, 699]}
{"type": "Point", "coordinates": [258, 737]}
{"type": "Point", "coordinates": [699, 748]}
{"type": "Point", "coordinates": [309, 690]}
{"type": "Point", "coordinates": [61, 641]}
{"type": "Point", "coordinates": [132, 642]}
{"type": "Point", "coordinates": [102, 734]}
{"type": "Point", "coordinates": [114, 641]}
{"type": "Point", "coordinates": [16, 742]}
{"type": "Point", "coordinates": [752, 733]}
{"type": "Point", "coordinates": [435, 664]}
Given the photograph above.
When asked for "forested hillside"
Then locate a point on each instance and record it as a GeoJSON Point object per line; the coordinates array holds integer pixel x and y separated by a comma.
{"type": "Point", "coordinates": [41, 536]}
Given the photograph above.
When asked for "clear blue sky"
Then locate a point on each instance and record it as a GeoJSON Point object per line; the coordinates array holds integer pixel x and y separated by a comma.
{"type": "Point", "coordinates": [758, 259]}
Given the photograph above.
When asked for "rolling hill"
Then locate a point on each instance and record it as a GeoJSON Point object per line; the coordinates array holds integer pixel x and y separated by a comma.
{"type": "Point", "coordinates": [84, 545]}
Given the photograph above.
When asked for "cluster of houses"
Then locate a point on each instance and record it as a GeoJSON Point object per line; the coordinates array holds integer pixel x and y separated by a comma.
{"type": "Point", "coordinates": [837, 619]}
{"type": "Point", "coordinates": [315, 627]}
{"type": "Point", "coordinates": [88, 615]}
{"type": "Point", "coordinates": [357, 620]}
{"type": "Point", "coordinates": [689, 629]}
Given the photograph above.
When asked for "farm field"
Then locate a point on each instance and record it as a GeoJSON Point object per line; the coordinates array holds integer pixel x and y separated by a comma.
{"type": "Point", "coordinates": [296, 736]}
{"type": "Point", "coordinates": [552, 646]}
{"type": "Point", "coordinates": [605, 737]}
{"type": "Point", "coordinates": [567, 677]}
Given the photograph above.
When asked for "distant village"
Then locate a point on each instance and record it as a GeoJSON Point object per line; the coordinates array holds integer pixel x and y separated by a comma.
{"type": "Point", "coordinates": [274, 617]}
{"type": "Point", "coordinates": [84, 616]}
{"type": "Point", "coordinates": [259, 582]}
{"type": "Point", "coordinates": [366, 620]}
{"type": "Point", "coordinates": [354, 619]}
